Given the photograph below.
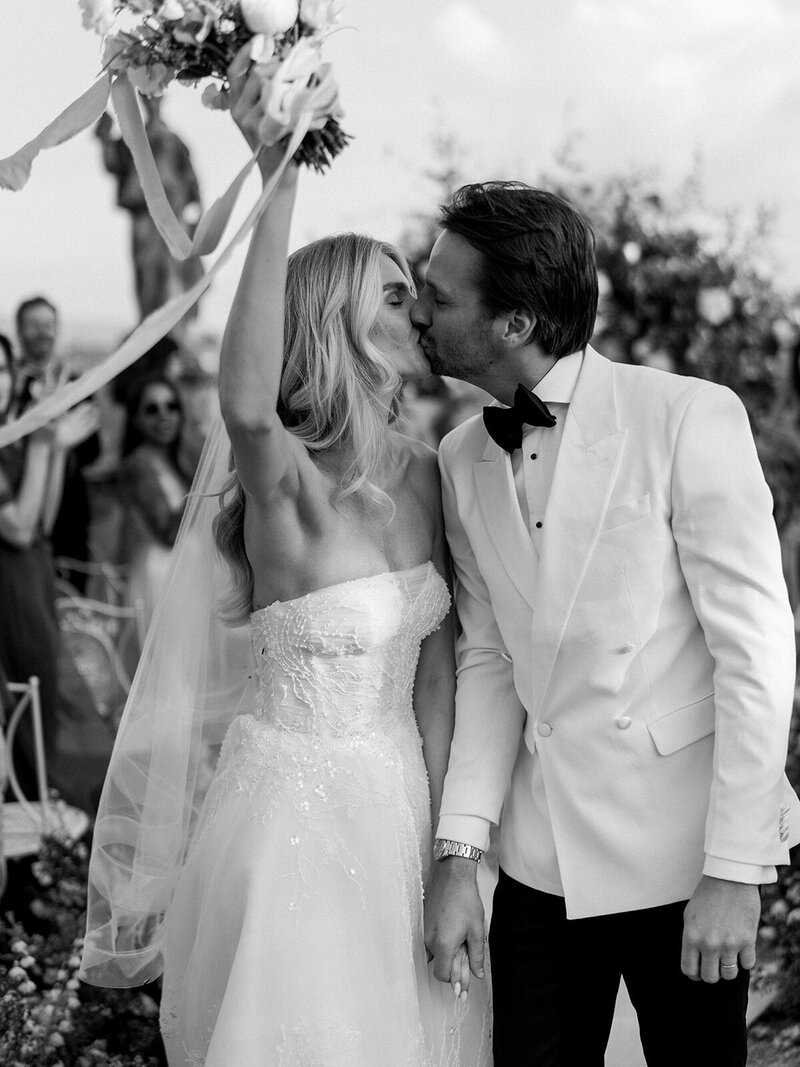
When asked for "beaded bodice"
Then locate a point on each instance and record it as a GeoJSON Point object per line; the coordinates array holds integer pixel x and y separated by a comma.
{"type": "Point", "coordinates": [341, 660]}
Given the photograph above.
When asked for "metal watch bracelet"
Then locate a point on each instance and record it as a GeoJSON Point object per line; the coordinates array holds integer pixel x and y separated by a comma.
{"type": "Point", "coordinates": [442, 848]}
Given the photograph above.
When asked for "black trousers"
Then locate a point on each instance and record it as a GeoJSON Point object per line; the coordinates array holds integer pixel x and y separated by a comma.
{"type": "Point", "coordinates": [555, 984]}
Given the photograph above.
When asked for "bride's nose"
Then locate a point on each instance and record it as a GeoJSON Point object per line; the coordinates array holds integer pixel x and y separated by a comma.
{"type": "Point", "coordinates": [419, 314]}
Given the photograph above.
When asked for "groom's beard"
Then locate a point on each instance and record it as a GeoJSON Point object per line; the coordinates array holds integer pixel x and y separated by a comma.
{"type": "Point", "coordinates": [461, 358]}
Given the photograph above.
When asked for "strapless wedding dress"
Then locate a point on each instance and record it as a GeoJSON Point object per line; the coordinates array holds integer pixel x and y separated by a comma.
{"type": "Point", "coordinates": [295, 935]}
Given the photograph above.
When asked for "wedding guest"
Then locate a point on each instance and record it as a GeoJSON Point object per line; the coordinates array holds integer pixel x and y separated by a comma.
{"type": "Point", "coordinates": [40, 370]}
{"type": "Point", "coordinates": [153, 481]}
{"type": "Point", "coordinates": [31, 481]}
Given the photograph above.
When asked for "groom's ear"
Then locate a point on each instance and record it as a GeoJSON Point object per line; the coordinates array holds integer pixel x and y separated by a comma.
{"type": "Point", "coordinates": [518, 326]}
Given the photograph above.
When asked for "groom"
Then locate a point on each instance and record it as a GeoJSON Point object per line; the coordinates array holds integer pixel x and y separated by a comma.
{"type": "Point", "coordinates": [626, 667]}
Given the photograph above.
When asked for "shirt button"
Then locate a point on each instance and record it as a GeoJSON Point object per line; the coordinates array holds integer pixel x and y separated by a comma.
{"type": "Point", "coordinates": [623, 722]}
{"type": "Point", "coordinates": [538, 526]}
{"type": "Point", "coordinates": [629, 646]}
{"type": "Point", "coordinates": [533, 455]}
{"type": "Point", "coordinates": [544, 729]}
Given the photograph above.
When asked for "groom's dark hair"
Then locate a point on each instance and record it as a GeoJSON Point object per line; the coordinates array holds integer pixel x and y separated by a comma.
{"type": "Point", "coordinates": [537, 253]}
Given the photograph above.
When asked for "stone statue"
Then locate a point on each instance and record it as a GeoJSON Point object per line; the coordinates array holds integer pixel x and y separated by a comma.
{"type": "Point", "coordinates": [158, 276]}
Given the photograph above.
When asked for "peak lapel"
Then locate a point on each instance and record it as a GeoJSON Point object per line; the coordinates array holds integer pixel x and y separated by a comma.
{"type": "Point", "coordinates": [587, 466]}
{"type": "Point", "coordinates": [497, 498]}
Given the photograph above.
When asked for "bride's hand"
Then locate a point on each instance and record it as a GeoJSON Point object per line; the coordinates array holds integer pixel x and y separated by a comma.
{"type": "Point", "coordinates": [459, 974]}
{"type": "Point", "coordinates": [247, 82]}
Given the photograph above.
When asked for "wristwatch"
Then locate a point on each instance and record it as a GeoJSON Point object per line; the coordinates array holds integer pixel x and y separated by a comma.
{"type": "Point", "coordinates": [442, 848]}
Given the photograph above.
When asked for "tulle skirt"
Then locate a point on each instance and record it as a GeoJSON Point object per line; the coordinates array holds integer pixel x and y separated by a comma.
{"type": "Point", "coordinates": [295, 937]}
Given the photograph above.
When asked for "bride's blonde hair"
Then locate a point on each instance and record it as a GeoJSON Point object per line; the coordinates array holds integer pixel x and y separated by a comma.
{"type": "Point", "coordinates": [338, 392]}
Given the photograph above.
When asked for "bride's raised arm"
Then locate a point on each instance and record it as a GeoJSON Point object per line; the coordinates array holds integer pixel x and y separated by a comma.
{"type": "Point", "coordinates": [251, 358]}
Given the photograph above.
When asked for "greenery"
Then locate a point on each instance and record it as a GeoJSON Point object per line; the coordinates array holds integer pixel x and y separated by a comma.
{"type": "Point", "coordinates": [683, 288]}
{"type": "Point", "coordinates": [48, 1018]}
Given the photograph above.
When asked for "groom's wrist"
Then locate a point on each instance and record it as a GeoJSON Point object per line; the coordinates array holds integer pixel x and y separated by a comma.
{"type": "Point", "coordinates": [444, 847]}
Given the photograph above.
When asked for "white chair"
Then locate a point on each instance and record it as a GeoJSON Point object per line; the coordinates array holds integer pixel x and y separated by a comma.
{"type": "Point", "coordinates": [103, 641]}
{"type": "Point", "coordinates": [106, 581]}
{"type": "Point", "coordinates": [25, 822]}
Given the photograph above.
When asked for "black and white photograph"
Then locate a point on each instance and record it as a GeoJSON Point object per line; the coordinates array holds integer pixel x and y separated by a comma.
{"type": "Point", "coordinates": [399, 533]}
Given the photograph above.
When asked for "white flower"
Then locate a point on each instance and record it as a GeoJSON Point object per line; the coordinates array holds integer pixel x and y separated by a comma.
{"type": "Point", "coordinates": [226, 26]}
{"type": "Point", "coordinates": [784, 332]}
{"type": "Point", "coordinates": [714, 305]}
{"type": "Point", "coordinates": [261, 48]}
{"type": "Point", "coordinates": [98, 15]}
{"type": "Point", "coordinates": [316, 14]}
{"type": "Point", "coordinates": [269, 16]}
{"type": "Point", "coordinates": [172, 10]}
{"type": "Point", "coordinates": [632, 252]}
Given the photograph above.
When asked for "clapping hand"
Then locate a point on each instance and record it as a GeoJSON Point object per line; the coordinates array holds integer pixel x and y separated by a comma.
{"type": "Point", "coordinates": [76, 425]}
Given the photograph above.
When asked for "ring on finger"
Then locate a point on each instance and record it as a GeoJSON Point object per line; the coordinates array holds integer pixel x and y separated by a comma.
{"type": "Point", "coordinates": [730, 967]}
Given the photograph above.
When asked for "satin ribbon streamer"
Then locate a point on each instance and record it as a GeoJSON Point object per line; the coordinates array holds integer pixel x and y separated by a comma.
{"type": "Point", "coordinates": [81, 113]}
{"type": "Point", "coordinates": [161, 321]}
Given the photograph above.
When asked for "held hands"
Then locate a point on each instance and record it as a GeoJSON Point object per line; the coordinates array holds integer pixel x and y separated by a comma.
{"type": "Point", "coordinates": [454, 924]}
{"type": "Point", "coordinates": [720, 924]}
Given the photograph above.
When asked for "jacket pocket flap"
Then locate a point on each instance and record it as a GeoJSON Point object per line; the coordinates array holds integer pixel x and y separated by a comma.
{"type": "Point", "coordinates": [621, 514]}
{"type": "Point", "coordinates": [683, 726]}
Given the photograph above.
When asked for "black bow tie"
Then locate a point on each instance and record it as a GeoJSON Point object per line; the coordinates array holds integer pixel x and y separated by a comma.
{"type": "Point", "coordinates": [504, 425]}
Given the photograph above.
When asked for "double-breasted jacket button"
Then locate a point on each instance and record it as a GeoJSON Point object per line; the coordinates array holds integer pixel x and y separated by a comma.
{"type": "Point", "coordinates": [629, 646]}
{"type": "Point", "coordinates": [544, 729]}
{"type": "Point", "coordinates": [623, 722]}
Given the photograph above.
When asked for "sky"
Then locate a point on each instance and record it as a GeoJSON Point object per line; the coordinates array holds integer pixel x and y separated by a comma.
{"type": "Point", "coordinates": [667, 85]}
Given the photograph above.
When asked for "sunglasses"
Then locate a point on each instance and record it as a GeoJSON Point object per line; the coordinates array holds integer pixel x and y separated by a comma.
{"type": "Point", "coordinates": [172, 407]}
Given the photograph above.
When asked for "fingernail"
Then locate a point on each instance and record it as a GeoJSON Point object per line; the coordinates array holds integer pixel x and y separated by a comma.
{"type": "Point", "coordinates": [457, 990]}
{"type": "Point", "coordinates": [481, 973]}
{"type": "Point", "coordinates": [463, 995]}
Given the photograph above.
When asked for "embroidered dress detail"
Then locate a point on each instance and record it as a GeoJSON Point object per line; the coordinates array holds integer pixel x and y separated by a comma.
{"type": "Point", "coordinates": [295, 935]}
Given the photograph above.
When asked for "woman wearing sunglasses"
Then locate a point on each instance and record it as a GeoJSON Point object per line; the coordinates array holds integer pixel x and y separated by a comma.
{"type": "Point", "coordinates": [153, 483]}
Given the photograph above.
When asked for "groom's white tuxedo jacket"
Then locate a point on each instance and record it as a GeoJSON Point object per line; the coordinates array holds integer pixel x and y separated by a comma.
{"type": "Point", "coordinates": [624, 688]}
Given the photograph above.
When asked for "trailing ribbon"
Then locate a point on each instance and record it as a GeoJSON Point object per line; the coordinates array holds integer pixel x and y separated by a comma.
{"type": "Point", "coordinates": [213, 222]}
{"type": "Point", "coordinates": [298, 98]}
{"type": "Point", "coordinates": [157, 324]}
{"type": "Point", "coordinates": [81, 113]}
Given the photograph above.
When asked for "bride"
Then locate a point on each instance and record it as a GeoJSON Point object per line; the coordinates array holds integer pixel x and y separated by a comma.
{"type": "Point", "coordinates": [286, 910]}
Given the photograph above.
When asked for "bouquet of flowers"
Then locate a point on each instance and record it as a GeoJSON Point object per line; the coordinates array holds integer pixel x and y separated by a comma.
{"type": "Point", "coordinates": [157, 41]}
{"type": "Point", "coordinates": [147, 45]}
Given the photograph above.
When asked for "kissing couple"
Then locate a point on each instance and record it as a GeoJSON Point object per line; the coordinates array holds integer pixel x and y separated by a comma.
{"type": "Point", "coordinates": [314, 751]}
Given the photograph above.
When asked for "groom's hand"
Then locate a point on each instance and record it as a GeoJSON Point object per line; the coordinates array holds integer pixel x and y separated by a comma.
{"type": "Point", "coordinates": [720, 925]}
{"type": "Point", "coordinates": [454, 922]}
